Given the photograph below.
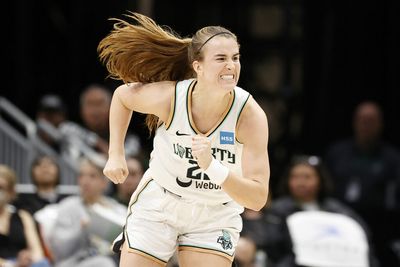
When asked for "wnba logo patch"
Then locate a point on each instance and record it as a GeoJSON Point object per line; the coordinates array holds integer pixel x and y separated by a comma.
{"type": "Point", "coordinates": [225, 240]}
{"type": "Point", "coordinates": [226, 138]}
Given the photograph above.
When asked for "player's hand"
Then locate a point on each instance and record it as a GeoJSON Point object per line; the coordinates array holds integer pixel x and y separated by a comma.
{"type": "Point", "coordinates": [201, 151]}
{"type": "Point", "coordinates": [116, 169]}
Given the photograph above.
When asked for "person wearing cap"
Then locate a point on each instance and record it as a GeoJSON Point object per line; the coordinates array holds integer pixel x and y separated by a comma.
{"type": "Point", "coordinates": [50, 114]}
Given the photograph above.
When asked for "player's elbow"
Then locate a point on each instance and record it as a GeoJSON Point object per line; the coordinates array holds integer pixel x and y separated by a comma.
{"type": "Point", "coordinates": [259, 205]}
{"type": "Point", "coordinates": [260, 201]}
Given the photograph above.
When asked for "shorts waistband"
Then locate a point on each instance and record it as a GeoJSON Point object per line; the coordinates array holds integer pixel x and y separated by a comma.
{"type": "Point", "coordinates": [166, 191]}
{"type": "Point", "coordinates": [169, 192]}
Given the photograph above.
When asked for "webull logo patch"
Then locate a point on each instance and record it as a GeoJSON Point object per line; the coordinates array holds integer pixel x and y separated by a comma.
{"type": "Point", "coordinates": [227, 138]}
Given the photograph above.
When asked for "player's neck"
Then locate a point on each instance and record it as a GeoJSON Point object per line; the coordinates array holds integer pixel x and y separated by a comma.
{"type": "Point", "coordinates": [209, 100]}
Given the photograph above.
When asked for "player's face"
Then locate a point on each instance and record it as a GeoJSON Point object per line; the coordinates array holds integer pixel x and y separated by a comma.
{"type": "Point", "coordinates": [221, 63]}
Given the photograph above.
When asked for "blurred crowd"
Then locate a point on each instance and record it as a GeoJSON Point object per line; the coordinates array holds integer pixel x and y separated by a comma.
{"type": "Point", "coordinates": [341, 208]}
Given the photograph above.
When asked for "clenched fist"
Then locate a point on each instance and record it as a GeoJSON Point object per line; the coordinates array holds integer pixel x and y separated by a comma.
{"type": "Point", "coordinates": [201, 151]}
{"type": "Point", "coordinates": [116, 169]}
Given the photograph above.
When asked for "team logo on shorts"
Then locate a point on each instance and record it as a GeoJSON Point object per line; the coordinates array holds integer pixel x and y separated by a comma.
{"type": "Point", "coordinates": [225, 240]}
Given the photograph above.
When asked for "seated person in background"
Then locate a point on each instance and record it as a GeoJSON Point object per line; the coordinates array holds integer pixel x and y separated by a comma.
{"type": "Point", "coordinates": [254, 228]}
{"type": "Point", "coordinates": [86, 225]}
{"type": "Point", "coordinates": [304, 188]}
{"type": "Point", "coordinates": [45, 174]}
{"type": "Point", "coordinates": [364, 169]}
{"type": "Point", "coordinates": [95, 101]}
{"type": "Point", "coordinates": [124, 191]}
{"type": "Point", "coordinates": [19, 240]}
{"type": "Point", "coordinates": [245, 254]}
{"type": "Point", "coordinates": [51, 112]}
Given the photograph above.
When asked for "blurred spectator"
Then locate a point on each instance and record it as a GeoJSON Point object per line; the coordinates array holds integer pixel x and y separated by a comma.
{"type": "Point", "coordinates": [305, 188]}
{"type": "Point", "coordinates": [19, 240]}
{"type": "Point", "coordinates": [65, 136]}
{"type": "Point", "coordinates": [45, 174]}
{"type": "Point", "coordinates": [95, 103]}
{"type": "Point", "coordinates": [85, 226]}
{"type": "Point", "coordinates": [254, 224]}
{"type": "Point", "coordinates": [124, 191]}
{"type": "Point", "coordinates": [52, 108]}
{"type": "Point", "coordinates": [365, 170]}
{"type": "Point", "coordinates": [94, 108]}
{"type": "Point", "coordinates": [245, 253]}
{"type": "Point", "coordinates": [50, 113]}
{"type": "Point", "coordinates": [254, 228]}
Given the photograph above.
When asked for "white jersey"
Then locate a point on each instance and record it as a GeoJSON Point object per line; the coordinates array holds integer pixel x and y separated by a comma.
{"type": "Point", "coordinates": [172, 165]}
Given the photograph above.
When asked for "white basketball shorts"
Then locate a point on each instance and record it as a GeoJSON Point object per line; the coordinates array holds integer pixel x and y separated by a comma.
{"type": "Point", "coordinates": [159, 222]}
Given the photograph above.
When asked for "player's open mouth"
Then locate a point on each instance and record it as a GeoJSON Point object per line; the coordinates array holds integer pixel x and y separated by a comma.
{"type": "Point", "coordinates": [227, 77]}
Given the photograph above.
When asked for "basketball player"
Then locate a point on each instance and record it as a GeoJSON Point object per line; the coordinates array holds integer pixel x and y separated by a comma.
{"type": "Point", "coordinates": [210, 147]}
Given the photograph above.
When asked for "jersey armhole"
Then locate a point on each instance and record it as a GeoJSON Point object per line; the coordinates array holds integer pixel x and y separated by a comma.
{"type": "Point", "coordinates": [172, 110]}
{"type": "Point", "coordinates": [238, 118]}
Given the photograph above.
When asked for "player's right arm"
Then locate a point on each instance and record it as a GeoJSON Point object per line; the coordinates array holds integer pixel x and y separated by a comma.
{"type": "Point", "coordinates": [151, 98]}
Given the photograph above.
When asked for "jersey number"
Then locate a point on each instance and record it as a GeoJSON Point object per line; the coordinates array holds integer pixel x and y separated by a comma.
{"type": "Point", "coordinates": [193, 172]}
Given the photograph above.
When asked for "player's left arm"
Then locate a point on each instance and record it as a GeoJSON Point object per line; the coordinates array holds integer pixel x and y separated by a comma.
{"type": "Point", "coordinates": [251, 190]}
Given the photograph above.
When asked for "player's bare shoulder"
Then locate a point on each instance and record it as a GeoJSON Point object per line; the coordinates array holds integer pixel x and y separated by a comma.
{"type": "Point", "coordinates": [150, 98]}
{"type": "Point", "coordinates": [252, 122]}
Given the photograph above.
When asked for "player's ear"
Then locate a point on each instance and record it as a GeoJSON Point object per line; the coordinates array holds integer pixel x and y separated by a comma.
{"type": "Point", "coordinates": [197, 66]}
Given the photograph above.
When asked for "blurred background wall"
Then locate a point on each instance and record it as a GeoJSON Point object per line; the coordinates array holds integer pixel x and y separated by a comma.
{"type": "Point", "coordinates": [308, 63]}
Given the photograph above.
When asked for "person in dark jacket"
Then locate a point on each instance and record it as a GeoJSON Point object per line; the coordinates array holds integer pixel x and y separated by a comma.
{"type": "Point", "coordinates": [365, 168]}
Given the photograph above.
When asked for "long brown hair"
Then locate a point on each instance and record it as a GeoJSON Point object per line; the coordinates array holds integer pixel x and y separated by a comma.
{"type": "Point", "coordinates": [146, 52]}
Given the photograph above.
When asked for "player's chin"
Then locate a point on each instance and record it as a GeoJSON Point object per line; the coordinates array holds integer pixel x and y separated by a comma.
{"type": "Point", "coordinates": [228, 85]}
